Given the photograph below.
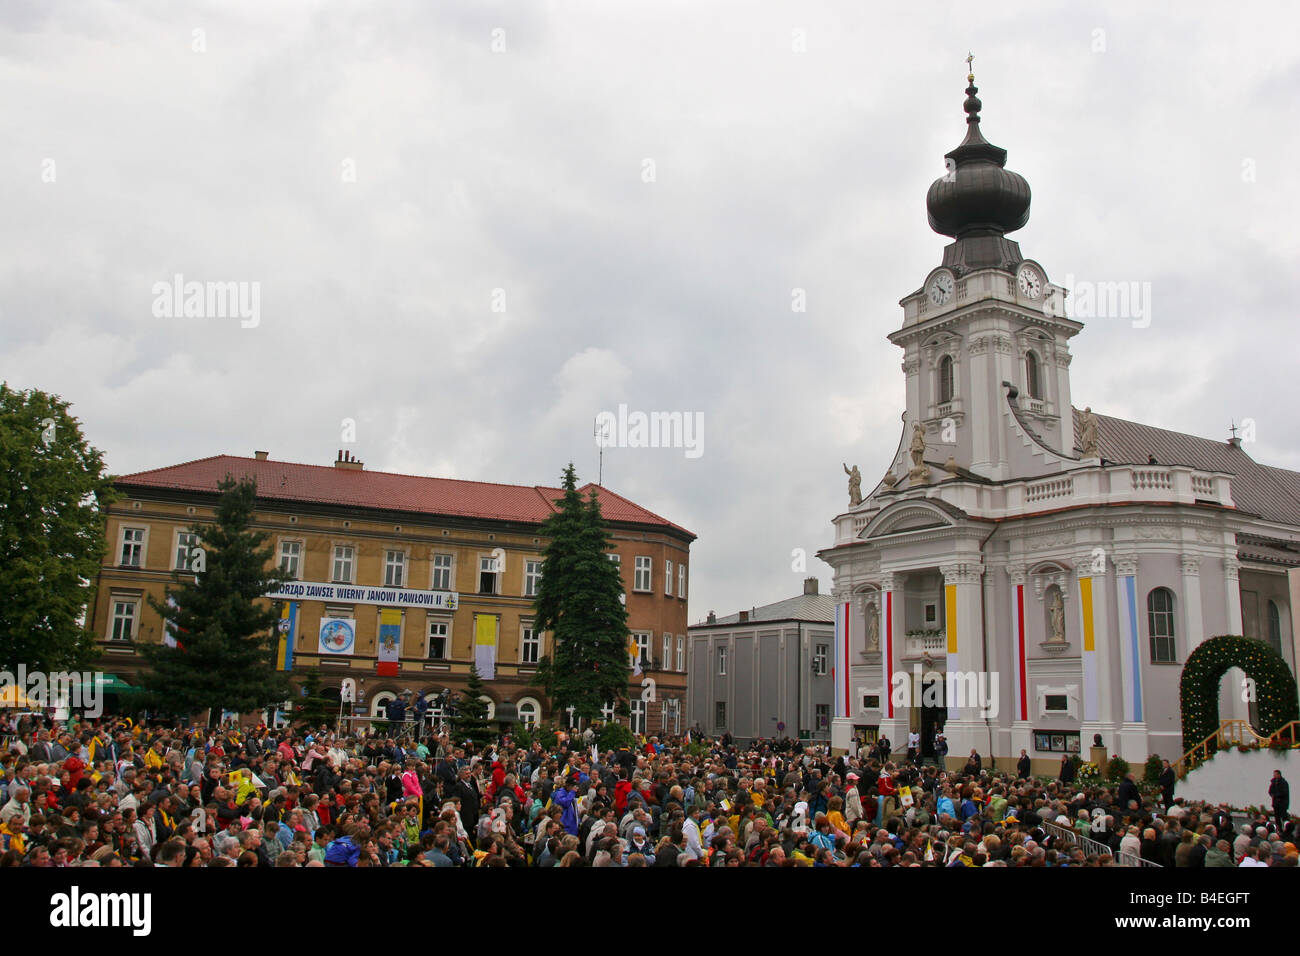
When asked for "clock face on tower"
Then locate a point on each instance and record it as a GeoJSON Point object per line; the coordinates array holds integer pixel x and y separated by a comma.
{"type": "Point", "coordinates": [940, 288]}
{"type": "Point", "coordinates": [1030, 282]}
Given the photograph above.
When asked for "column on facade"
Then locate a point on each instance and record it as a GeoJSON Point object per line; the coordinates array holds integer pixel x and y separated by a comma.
{"type": "Point", "coordinates": [1097, 647]}
{"type": "Point", "coordinates": [893, 719]}
{"type": "Point", "coordinates": [1231, 704]}
{"type": "Point", "coordinates": [1232, 594]}
{"type": "Point", "coordinates": [842, 722]}
{"type": "Point", "coordinates": [1133, 729]}
{"type": "Point", "coordinates": [1021, 726]}
{"type": "Point", "coordinates": [969, 686]}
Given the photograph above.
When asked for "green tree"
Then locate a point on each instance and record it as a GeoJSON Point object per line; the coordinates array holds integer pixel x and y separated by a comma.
{"type": "Point", "coordinates": [580, 602]}
{"type": "Point", "coordinates": [312, 709]}
{"type": "Point", "coordinates": [225, 627]}
{"type": "Point", "coordinates": [471, 712]}
{"type": "Point", "coordinates": [53, 492]}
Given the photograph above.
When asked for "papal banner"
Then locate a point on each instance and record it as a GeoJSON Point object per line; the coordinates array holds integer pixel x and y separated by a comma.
{"type": "Point", "coordinates": [390, 638]}
{"type": "Point", "coordinates": [338, 635]}
{"type": "Point", "coordinates": [485, 645]}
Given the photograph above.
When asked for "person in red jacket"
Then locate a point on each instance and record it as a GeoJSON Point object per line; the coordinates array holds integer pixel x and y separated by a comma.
{"type": "Point", "coordinates": [621, 790]}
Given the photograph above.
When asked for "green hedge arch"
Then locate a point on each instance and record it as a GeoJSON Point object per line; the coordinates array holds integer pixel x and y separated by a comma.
{"type": "Point", "coordinates": [1198, 690]}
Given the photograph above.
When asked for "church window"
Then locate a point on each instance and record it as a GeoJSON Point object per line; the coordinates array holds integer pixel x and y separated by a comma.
{"type": "Point", "coordinates": [945, 379]}
{"type": "Point", "coordinates": [1032, 384]}
{"type": "Point", "coordinates": [1274, 627]}
{"type": "Point", "coordinates": [1160, 624]}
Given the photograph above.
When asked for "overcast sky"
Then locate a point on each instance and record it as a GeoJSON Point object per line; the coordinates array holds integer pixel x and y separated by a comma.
{"type": "Point", "coordinates": [382, 170]}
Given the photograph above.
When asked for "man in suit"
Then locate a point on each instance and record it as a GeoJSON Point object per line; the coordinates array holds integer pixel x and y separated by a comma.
{"type": "Point", "coordinates": [471, 799]}
{"type": "Point", "coordinates": [1167, 781]}
{"type": "Point", "coordinates": [1280, 792]}
{"type": "Point", "coordinates": [1022, 766]}
{"type": "Point", "coordinates": [1130, 798]}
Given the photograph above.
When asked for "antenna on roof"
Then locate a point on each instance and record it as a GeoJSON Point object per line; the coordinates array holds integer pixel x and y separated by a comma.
{"type": "Point", "coordinates": [601, 431]}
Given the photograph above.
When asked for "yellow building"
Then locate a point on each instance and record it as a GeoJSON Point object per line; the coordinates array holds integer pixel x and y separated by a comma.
{"type": "Point", "coordinates": [448, 568]}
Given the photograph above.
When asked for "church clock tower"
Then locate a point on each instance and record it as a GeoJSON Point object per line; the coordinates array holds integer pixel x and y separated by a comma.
{"type": "Point", "coordinates": [986, 325]}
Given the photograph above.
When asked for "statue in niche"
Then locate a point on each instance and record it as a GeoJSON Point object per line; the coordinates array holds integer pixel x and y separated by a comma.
{"type": "Point", "coordinates": [1056, 611]}
{"type": "Point", "coordinates": [873, 628]}
{"type": "Point", "coordinates": [920, 473]}
{"type": "Point", "coordinates": [855, 484]}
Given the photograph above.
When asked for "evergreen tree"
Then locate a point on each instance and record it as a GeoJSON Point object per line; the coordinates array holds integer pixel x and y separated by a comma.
{"type": "Point", "coordinates": [53, 492]}
{"type": "Point", "coordinates": [580, 602]}
{"type": "Point", "coordinates": [471, 721]}
{"type": "Point", "coordinates": [312, 709]}
{"type": "Point", "coordinates": [225, 626]}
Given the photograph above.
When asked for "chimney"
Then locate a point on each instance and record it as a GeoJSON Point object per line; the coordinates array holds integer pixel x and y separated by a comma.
{"type": "Point", "coordinates": [744, 617]}
{"type": "Point", "coordinates": [347, 460]}
{"type": "Point", "coordinates": [809, 585]}
{"type": "Point", "coordinates": [260, 455]}
{"type": "Point", "coordinates": [711, 619]}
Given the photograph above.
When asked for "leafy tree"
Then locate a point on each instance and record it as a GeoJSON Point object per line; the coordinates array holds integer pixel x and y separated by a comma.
{"type": "Point", "coordinates": [53, 492]}
{"type": "Point", "coordinates": [471, 721]}
{"type": "Point", "coordinates": [312, 709]}
{"type": "Point", "coordinates": [226, 627]}
{"type": "Point", "coordinates": [579, 602]}
{"type": "Point", "coordinates": [613, 735]}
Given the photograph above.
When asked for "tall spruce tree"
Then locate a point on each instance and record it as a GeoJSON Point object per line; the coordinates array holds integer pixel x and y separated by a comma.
{"type": "Point", "coordinates": [53, 492]}
{"type": "Point", "coordinates": [471, 712]}
{"type": "Point", "coordinates": [225, 627]}
{"type": "Point", "coordinates": [579, 601]}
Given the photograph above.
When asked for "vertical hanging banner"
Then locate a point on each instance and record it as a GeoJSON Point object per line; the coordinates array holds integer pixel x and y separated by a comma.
{"type": "Point", "coordinates": [950, 621]}
{"type": "Point", "coordinates": [485, 645]}
{"type": "Point", "coordinates": [1090, 676]}
{"type": "Point", "coordinates": [288, 628]}
{"type": "Point", "coordinates": [1131, 666]}
{"type": "Point", "coordinates": [390, 641]}
{"type": "Point", "coordinates": [840, 663]}
{"type": "Point", "coordinates": [1018, 628]}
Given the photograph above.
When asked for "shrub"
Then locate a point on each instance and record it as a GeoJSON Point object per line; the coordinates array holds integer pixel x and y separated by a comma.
{"type": "Point", "coordinates": [613, 735]}
{"type": "Point", "coordinates": [1117, 768]}
{"type": "Point", "coordinates": [1154, 767]}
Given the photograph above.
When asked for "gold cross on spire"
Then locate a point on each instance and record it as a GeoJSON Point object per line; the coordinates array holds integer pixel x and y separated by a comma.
{"type": "Point", "coordinates": [970, 65]}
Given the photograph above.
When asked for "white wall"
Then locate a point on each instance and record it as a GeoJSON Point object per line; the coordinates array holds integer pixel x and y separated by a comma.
{"type": "Point", "coordinates": [1240, 779]}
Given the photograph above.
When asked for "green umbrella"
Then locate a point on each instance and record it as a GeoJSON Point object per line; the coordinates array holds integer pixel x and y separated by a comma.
{"type": "Point", "coordinates": [109, 684]}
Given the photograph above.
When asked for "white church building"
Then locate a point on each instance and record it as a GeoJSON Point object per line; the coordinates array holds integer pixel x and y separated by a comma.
{"type": "Point", "coordinates": [1027, 575]}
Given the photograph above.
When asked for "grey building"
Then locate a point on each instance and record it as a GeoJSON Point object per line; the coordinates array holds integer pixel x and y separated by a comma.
{"type": "Point", "coordinates": [765, 672]}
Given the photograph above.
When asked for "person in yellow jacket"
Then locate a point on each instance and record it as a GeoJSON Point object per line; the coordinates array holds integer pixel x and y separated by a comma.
{"type": "Point", "coordinates": [11, 835]}
{"type": "Point", "coordinates": [153, 757]}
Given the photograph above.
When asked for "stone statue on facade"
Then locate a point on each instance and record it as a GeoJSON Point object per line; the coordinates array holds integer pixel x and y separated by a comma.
{"type": "Point", "coordinates": [855, 484]}
{"type": "Point", "coordinates": [1056, 610]}
{"type": "Point", "coordinates": [873, 628]}
{"type": "Point", "coordinates": [1088, 434]}
{"type": "Point", "coordinates": [919, 474]}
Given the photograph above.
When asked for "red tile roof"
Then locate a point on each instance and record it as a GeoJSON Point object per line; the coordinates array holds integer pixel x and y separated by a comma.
{"type": "Point", "coordinates": [325, 484]}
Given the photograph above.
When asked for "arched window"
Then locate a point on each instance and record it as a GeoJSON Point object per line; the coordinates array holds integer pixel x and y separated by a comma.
{"type": "Point", "coordinates": [1032, 384]}
{"type": "Point", "coordinates": [1160, 625]}
{"type": "Point", "coordinates": [945, 379]}
{"type": "Point", "coordinates": [1274, 627]}
{"type": "Point", "coordinates": [529, 711]}
{"type": "Point", "coordinates": [379, 703]}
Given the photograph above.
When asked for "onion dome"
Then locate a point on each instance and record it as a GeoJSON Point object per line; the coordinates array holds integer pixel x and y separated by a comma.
{"type": "Point", "coordinates": [978, 196]}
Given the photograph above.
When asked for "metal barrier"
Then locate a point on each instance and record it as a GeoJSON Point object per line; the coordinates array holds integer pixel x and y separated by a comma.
{"type": "Point", "coordinates": [1091, 846]}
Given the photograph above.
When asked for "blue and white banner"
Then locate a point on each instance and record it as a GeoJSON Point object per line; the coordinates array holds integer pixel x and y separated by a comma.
{"type": "Point", "coordinates": [338, 636]}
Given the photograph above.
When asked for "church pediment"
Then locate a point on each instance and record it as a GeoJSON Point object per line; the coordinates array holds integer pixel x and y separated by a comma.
{"type": "Point", "coordinates": [905, 516]}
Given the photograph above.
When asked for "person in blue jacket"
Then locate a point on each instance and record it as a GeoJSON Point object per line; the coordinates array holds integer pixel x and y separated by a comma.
{"type": "Point", "coordinates": [565, 800]}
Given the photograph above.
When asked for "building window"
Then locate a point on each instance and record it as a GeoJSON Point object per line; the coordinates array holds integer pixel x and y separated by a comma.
{"type": "Point", "coordinates": [722, 661]}
{"type": "Point", "coordinates": [720, 715]}
{"type": "Point", "coordinates": [1056, 702]}
{"type": "Point", "coordinates": [1032, 384]}
{"type": "Point", "coordinates": [439, 645]}
{"type": "Point", "coordinates": [1160, 624]}
{"type": "Point", "coordinates": [529, 711]}
{"type": "Point", "coordinates": [186, 542]}
{"type": "Point", "coordinates": [394, 569]}
{"type": "Point", "coordinates": [821, 654]}
{"type": "Point", "coordinates": [945, 379]}
{"type": "Point", "coordinates": [666, 662]}
{"type": "Point", "coordinates": [644, 571]}
{"type": "Point", "coordinates": [343, 554]}
{"type": "Point", "coordinates": [487, 574]}
{"type": "Point", "coordinates": [607, 713]}
{"type": "Point", "coordinates": [532, 577]}
{"type": "Point", "coordinates": [442, 572]}
{"type": "Point", "coordinates": [123, 621]}
{"type": "Point", "coordinates": [642, 639]}
{"type": "Point", "coordinates": [291, 558]}
{"type": "Point", "coordinates": [823, 716]}
{"type": "Point", "coordinates": [668, 578]}
{"type": "Point", "coordinates": [870, 701]}
{"type": "Point", "coordinates": [681, 653]}
{"type": "Point", "coordinates": [1274, 627]}
{"type": "Point", "coordinates": [637, 708]}
{"type": "Point", "coordinates": [681, 580]}
{"type": "Point", "coordinates": [530, 645]}
{"type": "Point", "coordinates": [132, 547]}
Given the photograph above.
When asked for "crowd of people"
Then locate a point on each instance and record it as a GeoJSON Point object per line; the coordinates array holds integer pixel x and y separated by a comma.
{"type": "Point", "coordinates": [118, 793]}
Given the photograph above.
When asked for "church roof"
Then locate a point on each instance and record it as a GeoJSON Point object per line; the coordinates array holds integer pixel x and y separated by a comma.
{"type": "Point", "coordinates": [1272, 493]}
